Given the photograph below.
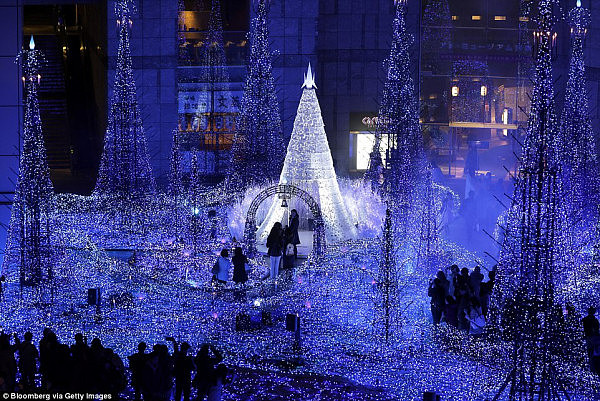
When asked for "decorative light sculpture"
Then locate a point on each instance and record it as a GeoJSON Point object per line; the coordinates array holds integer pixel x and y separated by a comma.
{"type": "Point", "coordinates": [524, 307]}
{"type": "Point", "coordinates": [398, 119]}
{"type": "Point", "coordinates": [125, 170]}
{"type": "Point", "coordinates": [258, 149]}
{"type": "Point", "coordinates": [309, 166]}
{"type": "Point", "coordinates": [29, 243]}
{"type": "Point", "coordinates": [579, 160]}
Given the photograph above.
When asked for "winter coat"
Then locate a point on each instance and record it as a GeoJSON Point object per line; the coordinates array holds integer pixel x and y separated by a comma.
{"type": "Point", "coordinates": [28, 356]}
{"type": "Point", "coordinates": [224, 267]}
{"type": "Point", "coordinates": [294, 224]}
{"type": "Point", "coordinates": [437, 295]}
{"type": "Point", "coordinates": [239, 269]}
{"type": "Point", "coordinates": [275, 244]}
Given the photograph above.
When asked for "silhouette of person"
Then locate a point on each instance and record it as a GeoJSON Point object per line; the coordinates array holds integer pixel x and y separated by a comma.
{"type": "Point", "coordinates": [137, 362]}
{"type": "Point", "coordinates": [239, 261]}
{"type": "Point", "coordinates": [275, 249]}
{"type": "Point", "coordinates": [205, 364]}
{"type": "Point", "coordinates": [294, 237]}
{"type": "Point", "coordinates": [183, 367]}
{"type": "Point", "coordinates": [28, 356]}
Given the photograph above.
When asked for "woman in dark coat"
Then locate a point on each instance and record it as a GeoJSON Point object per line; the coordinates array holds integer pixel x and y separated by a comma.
{"type": "Point", "coordinates": [240, 276]}
{"type": "Point", "coordinates": [275, 249]}
{"type": "Point", "coordinates": [294, 238]}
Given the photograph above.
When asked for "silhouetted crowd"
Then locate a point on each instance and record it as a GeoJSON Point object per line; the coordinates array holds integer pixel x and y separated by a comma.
{"type": "Point", "coordinates": [461, 299]}
{"type": "Point", "coordinates": [83, 368]}
{"type": "Point", "coordinates": [591, 331]}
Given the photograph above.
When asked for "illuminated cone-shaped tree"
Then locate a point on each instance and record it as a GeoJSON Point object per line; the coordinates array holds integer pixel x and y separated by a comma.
{"type": "Point", "coordinates": [398, 122]}
{"type": "Point", "coordinates": [524, 306]}
{"type": "Point", "coordinates": [29, 236]}
{"type": "Point", "coordinates": [579, 159]}
{"type": "Point", "coordinates": [125, 171]}
{"type": "Point", "coordinates": [387, 297]}
{"type": "Point", "coordinates": [308, 165]}
{"type": "Point", "coordinates": [258, 150]}
{"type": "Point", "coordinates": [402, 180]}
{"type": "Point", "coordinates": [175, 172]}
{"type": "Point", "coordinates": [580, 175]}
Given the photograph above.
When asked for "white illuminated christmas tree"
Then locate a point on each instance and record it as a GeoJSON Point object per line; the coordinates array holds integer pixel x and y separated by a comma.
{"type": "Point", "coordinates": [309, 166]}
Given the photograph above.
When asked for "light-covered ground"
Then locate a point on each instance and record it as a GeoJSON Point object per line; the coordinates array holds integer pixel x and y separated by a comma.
{"type": "Point", "coordinates": [165, 290]}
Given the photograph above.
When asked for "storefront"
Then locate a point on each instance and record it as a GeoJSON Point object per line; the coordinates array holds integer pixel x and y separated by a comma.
{"type": "Point", "coordinates": [362, 138]}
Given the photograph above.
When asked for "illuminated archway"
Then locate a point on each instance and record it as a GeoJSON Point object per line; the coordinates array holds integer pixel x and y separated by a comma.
{"type": "Point", "coordinates": [287, 192]}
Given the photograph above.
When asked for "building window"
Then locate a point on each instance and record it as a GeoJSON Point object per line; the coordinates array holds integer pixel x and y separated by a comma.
{"type": "Point", "coordinates": [455, 91]}
{"type": "Point", "coordinates": [362, 138]}
{"type": "Point", "coordinates": [363, 146]}
{"type": "Point", "coordinates": [210, 82]}
{"type": "Point", "coordinates": [476, 17]}
{"type": "Point", "coordinates": [455, 18]}
{"type": "Point", "coordinates": [500, 18]}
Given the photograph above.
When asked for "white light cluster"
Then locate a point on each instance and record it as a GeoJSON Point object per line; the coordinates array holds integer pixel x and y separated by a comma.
{"type": "Point", "coordinates": [309, 166]}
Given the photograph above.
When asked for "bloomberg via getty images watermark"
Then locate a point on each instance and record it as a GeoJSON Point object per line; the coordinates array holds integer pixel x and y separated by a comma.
{"type": "Point", "coordinates": [57, 396]}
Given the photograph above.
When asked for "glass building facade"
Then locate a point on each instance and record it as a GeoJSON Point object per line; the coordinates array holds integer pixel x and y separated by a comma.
{"type": "Point", "coordinates": [471, 57]}
{"type": "Point", "coordinates": [473, 60]}
{"type": "Point", "coordinates": [212, 52]}
{"type": "Point", "coordinates": [474, 65]}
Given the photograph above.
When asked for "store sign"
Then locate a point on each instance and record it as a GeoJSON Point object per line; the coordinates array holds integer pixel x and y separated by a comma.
{"type": "Point", "coordinates": [198, 98]}
{"type": "Point", "coordinates": [194, 102]}
{"type": "Point", "coordinates": [364, 121]}
{"type": "Point", "coordinates": [370, 122]}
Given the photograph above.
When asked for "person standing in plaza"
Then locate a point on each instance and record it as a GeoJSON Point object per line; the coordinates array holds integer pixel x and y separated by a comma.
{"type": "Point", "coordinates": [221, 268]}
{"type": "Point", "coordinates": [28, 356]}
{"type": "Point", "coordinates": [294, 237]}
{"type": "Point", "coordinates": [137, 364]}
{"type": "Point", "coordinates": [275, 249]}
{"type": "Point", "coordinates": [240, 262]}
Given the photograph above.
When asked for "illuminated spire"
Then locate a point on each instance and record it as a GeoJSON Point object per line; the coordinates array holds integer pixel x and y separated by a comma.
{"type": "Point", "coordinates": [309, 79]}
{"type": "Point", "coordinates": [534, 253]}
{"type": "Point", "coordinates": [578, 159]}
{"type": "Point", "coordinates": [29, 246]}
